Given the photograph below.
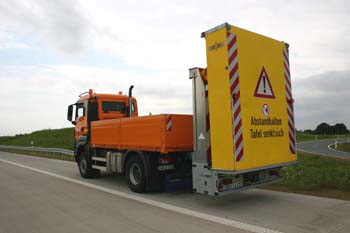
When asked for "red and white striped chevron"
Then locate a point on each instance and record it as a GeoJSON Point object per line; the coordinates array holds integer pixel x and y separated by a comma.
{"type": "Point", "coordinates": [207, 126]}
{"type": "Point", "coordinates": [169, 122]}
{"type": "Point", "coordinates": [290, 101]}
{"type": "Point", "coordinates": [235, 94]}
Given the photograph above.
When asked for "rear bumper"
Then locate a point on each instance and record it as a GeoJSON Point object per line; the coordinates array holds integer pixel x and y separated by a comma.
{"type": "Point", "coordinates": [254, 169]}
{"type": "Point", "coordinates": [217, 182]}
{"type": "Point", "coordinates": [249, 187]}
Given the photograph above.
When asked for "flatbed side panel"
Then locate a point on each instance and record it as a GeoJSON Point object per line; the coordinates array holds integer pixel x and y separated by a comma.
{"type": "Point", "coordinates": [136, 132]}
{"type": "Point", "coordinates": [162, 133]}
{"type": "Point", "coordinates": [179, 132]}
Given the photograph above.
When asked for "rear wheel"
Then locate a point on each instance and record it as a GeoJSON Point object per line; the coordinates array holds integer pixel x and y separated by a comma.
{"type": "Point", "coordinates": [135, 174]}
{"type": "Point", "coordinates": [85, 167]}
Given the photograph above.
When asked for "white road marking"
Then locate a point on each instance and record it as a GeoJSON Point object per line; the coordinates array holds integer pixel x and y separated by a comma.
{"type": "Point", "coordinates": [193, 213]}
{"type": "Point", "coordinates": [317, 153]}
{"type": "Point", "coordinates": [330, 148]}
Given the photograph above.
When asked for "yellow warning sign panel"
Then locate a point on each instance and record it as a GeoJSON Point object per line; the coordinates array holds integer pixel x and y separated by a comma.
{"type": "Point", "coordinates": [251, 113]}
{"type": "Point", "coordinates": [219, 101]}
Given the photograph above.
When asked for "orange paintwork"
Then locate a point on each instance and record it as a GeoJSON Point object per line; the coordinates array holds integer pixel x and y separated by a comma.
{"type": "Point", "coordinates": [204, 74]}
{"type": "Point", "coordinates": [81, 123]}
{"type": "Point", "coordinates": [147, 133]}
{"type": "Point", "coordinates": [80, 127]}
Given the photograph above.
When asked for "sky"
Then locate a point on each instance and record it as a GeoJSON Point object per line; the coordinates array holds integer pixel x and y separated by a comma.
{"type": "Point", "coordinates": [51, 51]}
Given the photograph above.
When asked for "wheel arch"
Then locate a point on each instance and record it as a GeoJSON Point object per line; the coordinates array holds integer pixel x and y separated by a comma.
{"type": "Point", "coordinates": [80, 148]}
{"type": "Point", "coordinates": [80, 145]}
{"type": "Point", "coordinates": [141, 154]}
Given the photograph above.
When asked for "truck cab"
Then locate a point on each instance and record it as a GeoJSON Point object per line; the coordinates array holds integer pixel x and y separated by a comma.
{"type": "Point", "coordinates": [94, 107]}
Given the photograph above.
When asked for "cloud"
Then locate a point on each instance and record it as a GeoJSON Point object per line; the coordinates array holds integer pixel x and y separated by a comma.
{"type": "Point", "coordinates": [322, 98]}
{"type": "Point", "coordinates": [37, 97]}
{"type": "Point", "coordinates": [161, 35]}
{"type": "Point", "coordinates": [9, 41]}
{"type": "Point", "coordinates": [60, 25]}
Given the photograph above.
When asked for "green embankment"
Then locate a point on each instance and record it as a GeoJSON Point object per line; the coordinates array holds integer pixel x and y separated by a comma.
{"type": "Point", "coordinates": [313, 175]}
{"type": "Point", "coordinates": [312, 137]}
{"type": "Point", "coordinates": [343, 147]}
{"type": "Point", "coordinates": [51, 138]}
{"type": "Point", "coordinates": [317, 175]}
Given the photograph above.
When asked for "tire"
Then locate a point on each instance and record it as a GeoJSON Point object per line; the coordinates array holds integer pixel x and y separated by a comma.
{"type": "Point", "coordinates": [85, 167]}
{"type": "Point", "coordinates": [135, 174]}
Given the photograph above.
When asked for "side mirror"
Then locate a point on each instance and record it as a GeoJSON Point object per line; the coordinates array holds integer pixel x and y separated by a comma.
{"type": "Point", "coordinates": [70, 113]}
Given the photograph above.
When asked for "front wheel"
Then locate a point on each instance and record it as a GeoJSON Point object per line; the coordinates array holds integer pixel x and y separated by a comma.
{"type": "Point", "coordinates": [135, 174]}
{"type": "Point", "coordinates": [85, 167]}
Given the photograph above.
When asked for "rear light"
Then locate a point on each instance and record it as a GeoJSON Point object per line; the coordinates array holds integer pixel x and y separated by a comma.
{"type": "Point", "coordinates": [166, 160]}
{"type": "Point", "coordinates": [222, 184]}
{"type": "Point", "coordinates": [226, 181]}
{"type": "Point", "coordinates": [219, 186]}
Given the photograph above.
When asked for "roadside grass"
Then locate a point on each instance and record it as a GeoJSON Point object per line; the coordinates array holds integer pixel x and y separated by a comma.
{"type": "Point", "coordinates": [342, 147]}
{"type": "Point", "coordinates": [42, 154]}
{"type": "Point", "coordinates": [312, 137]}
{"type": "Point", "coordinates": [51, 138]}
{"type": "Point", "coordinates": [316, 175]}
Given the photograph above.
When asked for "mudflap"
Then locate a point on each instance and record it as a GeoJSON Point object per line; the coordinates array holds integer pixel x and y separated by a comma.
{"type": "Point", "coordinates": [154, 177]}
{"type": "Point", "coordinates": [179, 179]}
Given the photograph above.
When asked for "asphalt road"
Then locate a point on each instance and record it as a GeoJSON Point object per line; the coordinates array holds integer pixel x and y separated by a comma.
{"type": "Point", "coordinates": [321, 147]}
{"type": "Point", "coordinates": [46, 195]}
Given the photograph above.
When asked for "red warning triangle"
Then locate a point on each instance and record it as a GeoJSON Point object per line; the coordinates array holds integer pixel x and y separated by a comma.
{"type": "Point", "coordinates": [263, 88]}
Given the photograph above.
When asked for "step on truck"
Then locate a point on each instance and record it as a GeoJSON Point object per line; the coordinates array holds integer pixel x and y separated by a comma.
{"type": "Point", "coordinates": [241, 133]}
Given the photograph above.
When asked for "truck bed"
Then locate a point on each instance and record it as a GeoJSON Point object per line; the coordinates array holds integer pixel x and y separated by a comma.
{"type": "Point", "coordinates": [162, 133]}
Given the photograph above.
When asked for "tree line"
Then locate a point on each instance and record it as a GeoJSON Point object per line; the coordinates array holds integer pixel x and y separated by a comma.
{"type": "Point", "coordinates": [326, 129]}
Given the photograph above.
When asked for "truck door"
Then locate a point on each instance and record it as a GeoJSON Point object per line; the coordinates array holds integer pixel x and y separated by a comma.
{"type": "Point", "coordinates": [81, 119]}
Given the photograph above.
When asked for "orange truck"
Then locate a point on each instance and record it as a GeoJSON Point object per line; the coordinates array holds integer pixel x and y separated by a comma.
{"type": "Point", "coordinates": [241, 133]}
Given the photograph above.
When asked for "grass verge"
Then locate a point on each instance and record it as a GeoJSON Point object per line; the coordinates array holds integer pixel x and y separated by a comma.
{"type": "Point", "coordinates": [312, 137]}
{"type": "Point", "coordinates": [41, 154]}
{"type": "Point", "coordinates": [50, 138]}
{"type": "Point", "coordinates": [343, 147]}
{"type": "Point", "coordinates": [316, 175]}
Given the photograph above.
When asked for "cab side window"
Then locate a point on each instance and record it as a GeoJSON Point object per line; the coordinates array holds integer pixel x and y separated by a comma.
{"type": "Point", "coordinates": [108, 106]}
{"type": "Point", "coordinates": [80, 111]}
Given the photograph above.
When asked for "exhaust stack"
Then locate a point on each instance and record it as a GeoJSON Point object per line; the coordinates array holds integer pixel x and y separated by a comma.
{"type": "Point", "coordinates": [130, 102]}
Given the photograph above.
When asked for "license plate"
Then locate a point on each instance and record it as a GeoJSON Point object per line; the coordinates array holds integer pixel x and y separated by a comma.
{"type": "Point", "coordinates": [166, 167]}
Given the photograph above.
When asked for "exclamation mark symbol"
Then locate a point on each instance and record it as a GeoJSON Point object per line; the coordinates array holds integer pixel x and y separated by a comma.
{"type": "Point", "coordinates": [264, 83]}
